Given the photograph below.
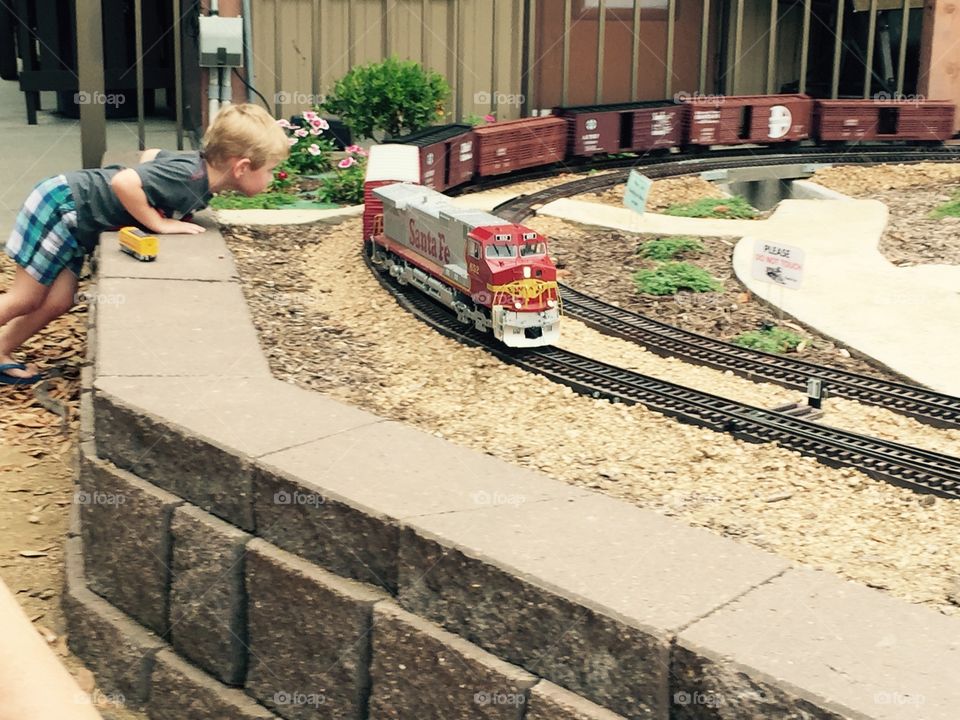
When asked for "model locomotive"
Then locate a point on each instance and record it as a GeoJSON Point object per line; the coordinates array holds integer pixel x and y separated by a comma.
{"type": "Point", "coordinates": [495, 275]}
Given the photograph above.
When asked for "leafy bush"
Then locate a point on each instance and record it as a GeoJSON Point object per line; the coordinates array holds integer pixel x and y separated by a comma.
{"type": "Point", "coordinates": [948, 209]}
{"type": "Point", "coordinates": [669, 277]}
{"type": "Point", "coordinates": [394, 96]}
{"type": "Point", "coordinates": [735, 207]}
{"type": "Point", "coordinates": [769, 339]}
{"type": "Point", "coordinates": [236, 201]}
{"type": "Point", "coordinates": [346, 186]}
{"type": "Point", "coordinates": [667, 248]}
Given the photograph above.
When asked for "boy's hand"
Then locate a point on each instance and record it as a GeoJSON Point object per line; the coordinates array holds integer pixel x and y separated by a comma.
{"type": "Point", "coordinates": [168, 226]}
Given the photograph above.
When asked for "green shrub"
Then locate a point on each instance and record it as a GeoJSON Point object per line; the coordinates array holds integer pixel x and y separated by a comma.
{"type": "Point", "coordinates": [735, 207]}
{"type": "Point", "coordinates": [236, 201]}
{"type": "Point", "coordinates": [669, 277]}
{"type": "Point", "coordinates": [771, 340]}
{"type": "Point", "coordinates": [394, 96]}
{"type": "Point", "coordinates": [667, 248]}
{"type": "Point", "coordinates": [948, 209]}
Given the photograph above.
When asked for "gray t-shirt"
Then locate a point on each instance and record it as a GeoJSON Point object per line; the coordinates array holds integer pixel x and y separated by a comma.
{"type": "Point", "coordinates": [176, 184]}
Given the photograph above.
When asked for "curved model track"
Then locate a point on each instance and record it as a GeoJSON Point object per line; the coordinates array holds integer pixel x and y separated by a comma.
{"type": "Point", "coordinates": [925, 405]}
{"type": "Point", "coordinates": [916, 469]}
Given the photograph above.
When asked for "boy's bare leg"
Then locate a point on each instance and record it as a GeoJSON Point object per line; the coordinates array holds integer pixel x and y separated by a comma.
{"type": "Point", "coordinates": [33, 683]}
{"type": "Point", "coordinates": [59, 298]}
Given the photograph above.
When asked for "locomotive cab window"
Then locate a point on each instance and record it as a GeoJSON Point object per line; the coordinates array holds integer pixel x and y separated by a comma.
{"type": "Point", "coordinates": [528, 249]}
{"type": "Point", "coordinates": [501, 251]}
{"type": "Point", "coordinates": [475, 250]}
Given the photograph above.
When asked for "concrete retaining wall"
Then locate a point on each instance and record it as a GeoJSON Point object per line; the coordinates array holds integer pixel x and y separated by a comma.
{"type": "Point", "coordinates": [247, 549]}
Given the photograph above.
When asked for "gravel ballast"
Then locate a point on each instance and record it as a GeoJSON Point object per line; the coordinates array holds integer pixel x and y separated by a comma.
{"type": "Point", "coordinates": [326, 324]}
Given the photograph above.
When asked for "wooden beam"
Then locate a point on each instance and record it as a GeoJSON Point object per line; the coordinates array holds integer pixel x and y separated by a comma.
{"type": "Point", "coordinates": [93, 115]}
{"type": "Point", "coordinates": [940, 53]}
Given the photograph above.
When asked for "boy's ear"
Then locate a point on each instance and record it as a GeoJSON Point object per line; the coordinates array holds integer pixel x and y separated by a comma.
{"type": "Point", "coordinates": [241, 166]}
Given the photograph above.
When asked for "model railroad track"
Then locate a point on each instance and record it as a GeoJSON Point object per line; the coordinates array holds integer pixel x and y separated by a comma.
{"type": "Point", "coordinates": [919, 470]}
{"type": "Point", "coordinates": [925, 405]}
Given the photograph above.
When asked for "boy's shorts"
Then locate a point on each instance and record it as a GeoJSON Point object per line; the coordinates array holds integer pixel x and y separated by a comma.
{"type": "Point", "coordinates": [43, 241]}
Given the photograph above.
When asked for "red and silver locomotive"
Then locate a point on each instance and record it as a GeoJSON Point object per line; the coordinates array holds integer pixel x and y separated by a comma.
{"type": "Point", "coordinates": [493, 274]}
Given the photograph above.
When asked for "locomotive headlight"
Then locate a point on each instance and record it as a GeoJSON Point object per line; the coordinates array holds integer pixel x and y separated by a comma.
{"type": "Point", "coordinates": [526, 271]}
{"type": "Point", "coordinates": [518, 304]}
{"type": "Point", "coordinates": [551, 303]}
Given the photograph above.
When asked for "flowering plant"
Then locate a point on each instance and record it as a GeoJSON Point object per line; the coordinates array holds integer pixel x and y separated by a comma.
{"type": "Point", "coordinates": [309, 151]}
{"type": "Point", "coordinates": [476, 120]}
{"type": "Point", "coordinates": [346, 186]}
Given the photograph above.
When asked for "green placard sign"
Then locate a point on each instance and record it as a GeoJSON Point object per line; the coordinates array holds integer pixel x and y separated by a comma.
{"type": "Point", "coordinates": [638, 187]}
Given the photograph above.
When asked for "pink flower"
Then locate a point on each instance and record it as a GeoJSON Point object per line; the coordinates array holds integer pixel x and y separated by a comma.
{"type": "Point", "coordinates": [317, 123]}
{"type": "Point", "coordinates": [489, 118]}
{"type": "Point", "coordinates": [300, 132]}
{"type": "Point", "coordinates": [346, 162]}
{"type": "Point", "coordinates": [282, 122]}
{"type": "Point", "coordinates": [309, 115]}
{"type": "Point", "coordinates": [323, 124]}
{"type": "Point", "coordinates": [354, 149]}
{"type": "Point", "coordinates": [293, 141]}
{"type": "Point", "coordinates": [316, 131]}
{"type": "Point", "coordinates": [314, 150]}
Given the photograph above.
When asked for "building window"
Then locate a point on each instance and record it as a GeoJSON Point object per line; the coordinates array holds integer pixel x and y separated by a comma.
{"type": "Point", "coordinates": [623, 9]}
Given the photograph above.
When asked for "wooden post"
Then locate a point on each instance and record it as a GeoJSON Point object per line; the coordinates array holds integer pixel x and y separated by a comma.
{"type": "Point", "coordinates": [939, 77]}
{"type": "Point", "coordinates": [93, 115]}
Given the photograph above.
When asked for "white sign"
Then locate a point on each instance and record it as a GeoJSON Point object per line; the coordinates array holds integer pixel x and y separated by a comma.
{"type": "Point", "coordinates": [778, 264]}
{"type": "Point", "coordinates": [638, 187]}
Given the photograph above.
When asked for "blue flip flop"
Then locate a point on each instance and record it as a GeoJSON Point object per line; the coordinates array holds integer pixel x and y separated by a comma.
{"type": "Point", "coordinates": [6, 379]}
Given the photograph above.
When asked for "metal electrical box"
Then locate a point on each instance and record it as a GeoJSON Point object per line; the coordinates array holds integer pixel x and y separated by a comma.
{"type": "Point", "coordinates": [221, 41]}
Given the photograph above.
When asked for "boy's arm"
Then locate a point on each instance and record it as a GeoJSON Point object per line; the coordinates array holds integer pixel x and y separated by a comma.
{"type": "Point", "coordinates": [129, 190]}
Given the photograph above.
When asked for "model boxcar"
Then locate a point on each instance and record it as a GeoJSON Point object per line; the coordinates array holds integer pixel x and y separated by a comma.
{"type": "Point", "coordinates": [446, 155]}
{"type": "Point", "coordinates": [738, 119]}
{"type": "Point", "coordinates": [846, 120]}
{"type": "Point", "coordinates": [623, 127]}
{"type": "Point", "coordinates": [507, 146]}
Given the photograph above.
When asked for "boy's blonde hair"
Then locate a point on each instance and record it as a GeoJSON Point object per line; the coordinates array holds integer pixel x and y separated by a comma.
{"type": "Point", "coordinates": [245, 131]}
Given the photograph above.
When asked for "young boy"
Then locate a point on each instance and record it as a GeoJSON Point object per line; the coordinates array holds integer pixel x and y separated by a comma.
{"type": "Point", "coordinates": [61, 220]}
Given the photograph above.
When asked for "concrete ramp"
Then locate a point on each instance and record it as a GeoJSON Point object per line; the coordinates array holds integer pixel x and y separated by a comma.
{"type": "Point", "coordinates": [906, 318]}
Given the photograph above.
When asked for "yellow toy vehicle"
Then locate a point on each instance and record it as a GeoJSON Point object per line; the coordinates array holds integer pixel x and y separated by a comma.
{"type": "Point", "coordinates": [136, 242]}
